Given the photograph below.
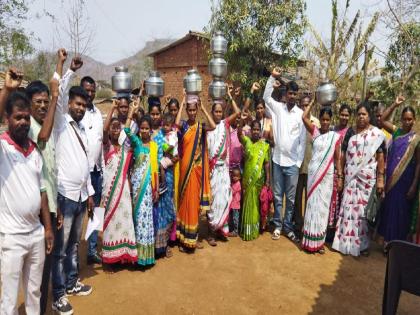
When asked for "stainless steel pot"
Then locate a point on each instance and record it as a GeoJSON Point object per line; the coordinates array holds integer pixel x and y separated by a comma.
{"type": "Point", "coordinates": [218, 67]}
{"type": "Point", "coordinates": [154, 84]}
{"type": "Point", "coordinates": [217, 89]}
{"type": "Point", "coordinates": [326, 93]}
{"type": "Point", "coordinates": [121, 79]}
{"type": "Point", "coordinates": [193, 83]}
{"type": "Point", "coordinates": [218, 44]}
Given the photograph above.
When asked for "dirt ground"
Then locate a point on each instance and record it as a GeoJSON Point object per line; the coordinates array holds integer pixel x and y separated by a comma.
{"type": "Point", "coordinates": [237, 277]}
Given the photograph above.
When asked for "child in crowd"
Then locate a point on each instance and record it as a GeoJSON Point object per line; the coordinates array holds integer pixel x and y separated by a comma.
{"type": "Point", "coordinates": [236, 150]}
{"type": "Point", "coordinates": [235, 206]}
{"type": "Point", "coordinates": [170, 148]}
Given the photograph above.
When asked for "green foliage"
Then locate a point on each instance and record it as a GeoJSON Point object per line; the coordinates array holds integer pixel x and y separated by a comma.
{"type": "Point", "coordinates": [402, 70]}
{"type": "Point", "coordinates": [260, 33]}
{"type": "Point", "coordinates": [41, 67]}
{"type": "Point", "coordinates": [15, 43]}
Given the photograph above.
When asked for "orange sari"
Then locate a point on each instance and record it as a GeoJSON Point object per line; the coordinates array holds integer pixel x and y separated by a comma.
{"type": "Point", "coordinates": [194, 183]}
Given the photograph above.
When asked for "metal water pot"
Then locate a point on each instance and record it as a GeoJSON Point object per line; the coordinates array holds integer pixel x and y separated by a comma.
{"type": "Point", "coordinates": [154, 84]}
{"type": "Point", "coordinates": [121, 79]}
{"type": "Point", "coordinates": [193, 83]}
{"type": "Point", "coordinates": [218, 44]}
{"type": "Point", "coordinates": [217, 89]}
{"type": "Point", "coordinates": [218, 66]}
{"type": "Point", "coordinates": [326, 93]}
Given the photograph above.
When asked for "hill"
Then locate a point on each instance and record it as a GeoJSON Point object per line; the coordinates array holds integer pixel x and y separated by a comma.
{"type": "Point", "coordinates": [42, 65]}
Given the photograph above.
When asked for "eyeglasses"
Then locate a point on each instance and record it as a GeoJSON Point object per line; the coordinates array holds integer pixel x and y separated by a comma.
{"type": "Point", "coordinates": [41, 102]}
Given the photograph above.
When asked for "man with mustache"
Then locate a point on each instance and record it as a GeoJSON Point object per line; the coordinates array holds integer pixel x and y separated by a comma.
{"type": "Point", "coordinates": [42, 120]}
{"type": "Point", "coordinates": [24, 240]}
{"type": "Point", "coordinates": [75, 190]}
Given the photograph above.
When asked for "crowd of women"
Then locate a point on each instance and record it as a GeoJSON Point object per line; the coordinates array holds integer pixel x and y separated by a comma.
{"type": "Point", "coordinates": [165, 181]}
{"type": "Point", "coordinates": [179, 169]}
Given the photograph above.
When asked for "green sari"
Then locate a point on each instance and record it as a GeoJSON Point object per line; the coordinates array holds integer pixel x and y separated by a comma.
{"type": "Point", "coordinates": [256, 154]}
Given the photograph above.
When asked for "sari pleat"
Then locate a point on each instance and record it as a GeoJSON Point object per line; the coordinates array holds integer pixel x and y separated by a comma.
{"type": "Point", "coordinates": [194, 185]}
{"type": "Point", "coordinates": [256, 154]}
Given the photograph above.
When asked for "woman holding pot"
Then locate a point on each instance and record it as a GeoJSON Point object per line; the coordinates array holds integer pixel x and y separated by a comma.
{"type": "Point", "coordinates": [362, 159]}
{"type": "Point", "coordinates": [194, 183]}
{"type": "Point", "coordinates": [219, 145]}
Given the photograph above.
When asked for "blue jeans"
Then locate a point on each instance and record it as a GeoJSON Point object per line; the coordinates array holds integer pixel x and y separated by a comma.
{"type": "Point", "coordinates": [65, 264]}
{"type": "Point", "coordinates": [285, 180]}
{"type": "Point", "coordinates": [96, 180]}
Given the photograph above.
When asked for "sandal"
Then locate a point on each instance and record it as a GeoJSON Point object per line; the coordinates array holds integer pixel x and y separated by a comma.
{"type": "Point", "coordinates": [211, 241]}
{"type": "Point", "coordinates": [169, 252]}
{"type": "Point", "coordinates": [321, 251]}
{"type": "Point", "coordinates": [276, 235]}
{"type": "Point", "coordinates": [199, 245]}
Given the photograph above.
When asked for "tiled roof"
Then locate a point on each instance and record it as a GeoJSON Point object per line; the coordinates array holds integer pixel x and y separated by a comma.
{"type": "Point", "coordinates": [180, 41]}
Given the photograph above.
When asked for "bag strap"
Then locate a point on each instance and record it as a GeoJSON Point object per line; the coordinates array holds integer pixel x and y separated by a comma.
{"type": "Point", "coordinates": [72, 123]}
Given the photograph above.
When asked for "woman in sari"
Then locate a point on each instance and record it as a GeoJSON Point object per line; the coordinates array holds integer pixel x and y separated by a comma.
{"type": "Point", "coordinates": [145, 183]}
{"type": "Point", "coordinates": [218, 141]}
{"type": "Point", "coordinates": [325, 158]}
{"type": "Point", "coordinates": [164, 212]}
{"type": "Point", "coordinates": [341, 128]}
{"type": "Point", "coordinates": [119, 241]}
{"type": "Point", "coordinates": [194, 184]}
{"type": "Point", "coordinates": [402, 176]}
{"type": "Point", "coordinates": [256, 175]}
{"type": "Point", "coordinates": [363, 159]}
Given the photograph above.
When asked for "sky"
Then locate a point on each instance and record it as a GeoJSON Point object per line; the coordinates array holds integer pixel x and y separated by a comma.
{"type": "Point", "coordinates": [122, 27]}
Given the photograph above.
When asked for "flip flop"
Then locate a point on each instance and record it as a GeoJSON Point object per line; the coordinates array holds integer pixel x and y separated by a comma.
{"type": "Point", "coordinates": [276, 235]}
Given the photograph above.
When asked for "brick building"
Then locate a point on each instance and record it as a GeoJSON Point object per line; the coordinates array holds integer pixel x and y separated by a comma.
{"type": "Point", "coordinates": [173, 62]}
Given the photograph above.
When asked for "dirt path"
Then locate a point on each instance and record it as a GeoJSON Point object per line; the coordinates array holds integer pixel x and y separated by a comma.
{"type": "Point", "coordinates": [259, 277]}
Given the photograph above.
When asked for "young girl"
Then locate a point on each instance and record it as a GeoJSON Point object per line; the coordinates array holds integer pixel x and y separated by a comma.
{"type": "Point", "coordinates": [119, 241]}
{"type": "Point", "coordinates": [166, 212]}
{"type": "Point", "coordinates": [256, 174]}
{"type": "Point", "coordinates": [325, 156]}
{"type": "Point", "coordinates": [145, 183]}
{"type": "Point", "coordinates": [218, 142]}
{"type": "Point", "coordinates": [235, 206]}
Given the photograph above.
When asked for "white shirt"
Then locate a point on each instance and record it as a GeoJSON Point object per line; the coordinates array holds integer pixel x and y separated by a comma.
{"type": "Point", "coordinates": [288, 130]}
{"type": "Point", "coordinates": [94, 125]}
{"type": "Point", "coordinates": [21, 183]}
{"type": "Point", "coordinates": [73, 175]}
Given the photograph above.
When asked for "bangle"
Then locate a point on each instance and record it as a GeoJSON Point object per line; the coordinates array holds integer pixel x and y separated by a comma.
{"type": "Point", "coordinates": [340, 176]}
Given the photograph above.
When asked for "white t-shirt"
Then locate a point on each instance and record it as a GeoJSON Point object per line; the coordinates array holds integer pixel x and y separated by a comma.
{"type": "Point", "coordinates": [21, 183]}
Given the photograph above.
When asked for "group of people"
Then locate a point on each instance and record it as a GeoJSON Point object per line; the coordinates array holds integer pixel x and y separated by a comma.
{"type": "Point", "coordinates": [160, 178]}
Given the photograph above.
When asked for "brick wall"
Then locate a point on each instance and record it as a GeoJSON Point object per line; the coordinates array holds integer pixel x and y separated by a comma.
{"type": "Point", "coordinates": [174, 63]}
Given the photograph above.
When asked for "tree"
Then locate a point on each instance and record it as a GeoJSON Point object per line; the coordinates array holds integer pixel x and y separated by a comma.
{"type": "Point", "coordinates": [15, 42]}
{"type": "Point", "coordinates": [338, 57]}
{"type": "Point", "coordinates": [257, 32]}
{"type": "Point", "coordinates": [401, 73]}
{"type": "Point", "coordinates": [77, 28]}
